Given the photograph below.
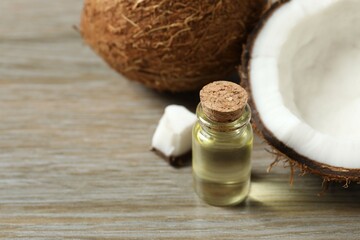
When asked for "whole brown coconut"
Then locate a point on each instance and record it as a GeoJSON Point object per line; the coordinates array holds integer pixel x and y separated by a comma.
{"type": "Point", "coordinates": [170, 45]}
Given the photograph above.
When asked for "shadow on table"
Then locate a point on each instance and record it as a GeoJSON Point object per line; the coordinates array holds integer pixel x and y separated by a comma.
{"type": "Point", "coordinates": [274, 192]}
{"type": "Point", "coordinates": [189, 99]}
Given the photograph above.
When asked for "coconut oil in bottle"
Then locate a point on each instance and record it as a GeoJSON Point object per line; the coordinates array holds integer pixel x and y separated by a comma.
{"type": "Point", "coordinates": [222, 145]}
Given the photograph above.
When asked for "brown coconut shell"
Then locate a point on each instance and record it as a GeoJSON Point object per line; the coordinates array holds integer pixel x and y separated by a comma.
{"type": "Point", "coordinates": [170, 45]}
{"type": "Point", "coordinates": [281, 150]}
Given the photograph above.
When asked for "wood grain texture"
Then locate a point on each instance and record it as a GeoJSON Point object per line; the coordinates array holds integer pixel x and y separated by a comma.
{"type": "Point", "coordinates": [75, 160]}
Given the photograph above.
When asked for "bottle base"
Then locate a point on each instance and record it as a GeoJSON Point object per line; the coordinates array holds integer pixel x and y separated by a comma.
{"type": "Point", "coordinates": [221, 193]}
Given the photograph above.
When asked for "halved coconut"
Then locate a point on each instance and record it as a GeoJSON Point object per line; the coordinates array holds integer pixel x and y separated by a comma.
{"type": "Point", "coordinates": [302, 68]}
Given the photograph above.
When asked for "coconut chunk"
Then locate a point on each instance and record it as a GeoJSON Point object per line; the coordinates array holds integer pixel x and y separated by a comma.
{"type": "Point", "coordinates": [172, 137]}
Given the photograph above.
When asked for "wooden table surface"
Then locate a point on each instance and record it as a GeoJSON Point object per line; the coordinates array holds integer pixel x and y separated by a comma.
{"type": "Point", "coordinates": [75, 160]}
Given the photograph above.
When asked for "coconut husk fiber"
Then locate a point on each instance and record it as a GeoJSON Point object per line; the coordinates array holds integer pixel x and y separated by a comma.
{"type": "Point", "coordinates": [170, 45]}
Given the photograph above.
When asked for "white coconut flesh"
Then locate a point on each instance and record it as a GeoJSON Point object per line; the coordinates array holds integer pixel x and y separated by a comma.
{"type": "Point", "coordinates": [172, 137]}
{"type": "Point", "coordinates": [305, 79]}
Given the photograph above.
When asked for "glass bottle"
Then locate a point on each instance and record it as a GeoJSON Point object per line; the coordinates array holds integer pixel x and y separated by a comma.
{"type": "Point", "coordinates": [222, 149]}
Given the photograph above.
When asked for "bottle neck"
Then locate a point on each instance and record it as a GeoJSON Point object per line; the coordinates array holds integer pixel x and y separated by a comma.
{"type": "Point", "coordinates": [219, 127]}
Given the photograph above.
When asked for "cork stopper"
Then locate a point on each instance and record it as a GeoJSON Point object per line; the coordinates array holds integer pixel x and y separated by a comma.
{"type": "Point", "coordinates": [223, 101]}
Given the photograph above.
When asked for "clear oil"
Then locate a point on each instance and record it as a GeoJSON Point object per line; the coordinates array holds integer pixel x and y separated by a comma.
{"type": "Point", "coordinates": [222, 163]}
